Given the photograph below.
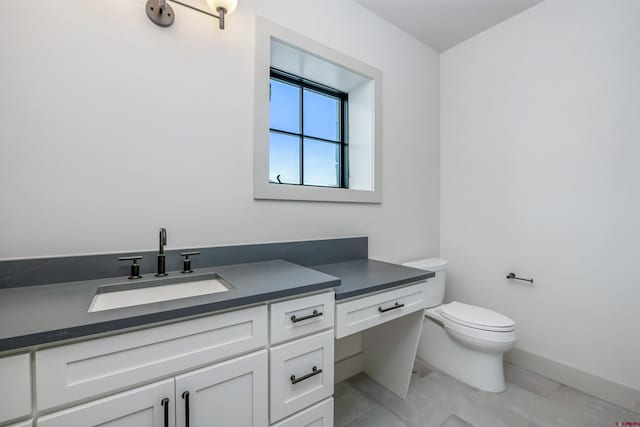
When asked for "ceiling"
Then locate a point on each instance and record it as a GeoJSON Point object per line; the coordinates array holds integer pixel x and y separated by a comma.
{"type": "Point", "coordinates": [442, 24]}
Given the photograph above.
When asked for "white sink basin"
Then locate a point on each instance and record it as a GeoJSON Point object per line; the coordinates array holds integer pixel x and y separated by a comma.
{"type": "Point", "coordinates": [131, 294]}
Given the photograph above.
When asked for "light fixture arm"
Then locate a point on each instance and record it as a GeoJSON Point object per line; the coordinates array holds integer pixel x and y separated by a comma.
{"type": "Point", "coordinates": [161, 13]}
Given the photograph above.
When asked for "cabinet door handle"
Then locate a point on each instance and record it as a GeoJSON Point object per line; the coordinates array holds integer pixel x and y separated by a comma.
{"type": "Point", "coordinates": [165, 404]}
{"type": "Point", "coordinates": [185, 396]}
{"type": "Point", "coordinates": [394, 307]}
{"type": "Point", "coordinates": [315, 313]}
{"type": "Point", "coordinates": [314, 371]}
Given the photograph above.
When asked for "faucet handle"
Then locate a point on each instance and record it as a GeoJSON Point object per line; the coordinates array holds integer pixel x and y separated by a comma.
{"type": "Point", "coordinates": [186, 265]}
{"type": "Point", "coordinates": [135, 267]}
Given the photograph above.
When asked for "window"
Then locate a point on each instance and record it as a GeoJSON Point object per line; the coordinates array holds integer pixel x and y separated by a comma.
{"type": "Point", "coordinates": [317, 121]}
{"type": "Point", "coordinates": [307, 132]}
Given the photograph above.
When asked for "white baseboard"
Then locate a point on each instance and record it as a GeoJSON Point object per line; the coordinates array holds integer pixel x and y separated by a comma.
{"type": "Point", "coordinates": [348, 367]}
{"type": "Point", "coordinates": [348, 346]}
{"type": "Point", "coordinates": [599, 387]}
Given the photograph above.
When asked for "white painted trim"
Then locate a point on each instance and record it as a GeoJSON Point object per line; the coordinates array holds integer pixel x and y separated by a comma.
{"type": "Point", "coordinates": [262, 188]}
{"type": "Point", "coordinates": [348, 368]}
{"type": "Point", "coordinates": [348, 346]}
{"type": "Point", "coordinates": [585, 382]}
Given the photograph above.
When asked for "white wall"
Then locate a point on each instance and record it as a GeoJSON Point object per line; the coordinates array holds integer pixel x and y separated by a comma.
{"type": "Point", "coordinates": [540, 143]}
{"type": "Point", "coordinates": [111, 127]}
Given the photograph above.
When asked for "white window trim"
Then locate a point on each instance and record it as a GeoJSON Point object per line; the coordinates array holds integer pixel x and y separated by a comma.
{"type": "Point", "coordinates": [263, 189]}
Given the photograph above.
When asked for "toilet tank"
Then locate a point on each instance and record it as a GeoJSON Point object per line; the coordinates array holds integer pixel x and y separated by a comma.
{"type": "Point", "coordinates": [435, 292]}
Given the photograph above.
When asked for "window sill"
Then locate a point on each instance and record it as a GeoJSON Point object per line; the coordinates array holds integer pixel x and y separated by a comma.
{"type": "Point", "coordinates": [271, 191]}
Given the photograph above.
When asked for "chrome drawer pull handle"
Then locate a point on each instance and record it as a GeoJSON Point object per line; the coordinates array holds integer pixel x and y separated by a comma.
{"type": "Point", "coordinates": [315, 313]}
{"type": "Point", "coordinates": [396, 306]}
{"type": "Point", "coordinates": [314, 371]}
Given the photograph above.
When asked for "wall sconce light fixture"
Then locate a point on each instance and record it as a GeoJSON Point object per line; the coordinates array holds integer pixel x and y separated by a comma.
{"type": "Point", "coordinates": [162, 14]}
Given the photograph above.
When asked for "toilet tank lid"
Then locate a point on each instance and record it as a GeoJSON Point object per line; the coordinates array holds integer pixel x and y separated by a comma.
{"type": "Point", "coordinates": [431, 264]}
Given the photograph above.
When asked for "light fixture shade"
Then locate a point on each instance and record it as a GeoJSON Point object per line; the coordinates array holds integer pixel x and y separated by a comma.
{"type": "Point", "coordinates": [229, 5]}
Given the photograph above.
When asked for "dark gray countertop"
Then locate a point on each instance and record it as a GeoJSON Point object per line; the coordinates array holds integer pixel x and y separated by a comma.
{"type": "Point", "coordinates": [35, 315]}
{"type": "Point", "coordinates": [364, 276]}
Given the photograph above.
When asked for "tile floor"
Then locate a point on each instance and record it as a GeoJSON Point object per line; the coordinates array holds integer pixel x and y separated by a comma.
{"type": "Point", "coordinates": [437, 400]}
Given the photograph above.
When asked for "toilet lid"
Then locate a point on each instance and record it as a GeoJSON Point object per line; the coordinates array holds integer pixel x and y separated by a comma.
{"type": "Point", "coordinates": [476, 317]}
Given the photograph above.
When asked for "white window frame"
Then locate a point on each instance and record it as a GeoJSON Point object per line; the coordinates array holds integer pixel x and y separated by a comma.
{"type": "Point", "coordinates": [263, 189]}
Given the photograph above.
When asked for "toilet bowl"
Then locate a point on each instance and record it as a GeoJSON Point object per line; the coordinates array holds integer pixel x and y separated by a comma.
{"type": "Point", "coordinates": [462, 340]}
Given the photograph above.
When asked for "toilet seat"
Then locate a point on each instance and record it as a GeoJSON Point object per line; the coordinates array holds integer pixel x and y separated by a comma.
{"type": "Point", "coordinates": [474, 317]}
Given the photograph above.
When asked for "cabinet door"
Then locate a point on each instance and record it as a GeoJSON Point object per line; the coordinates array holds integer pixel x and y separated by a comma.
{"type": "Point", "coordinates": [15, 399]}
{"type": "Point", "coordinates": [232, 393]}
{"type": "Point", "coordinates": [148, 406]}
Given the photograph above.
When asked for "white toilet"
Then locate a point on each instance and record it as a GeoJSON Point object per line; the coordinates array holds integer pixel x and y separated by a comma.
{"type": "Point", "coordinates": [464, 341]}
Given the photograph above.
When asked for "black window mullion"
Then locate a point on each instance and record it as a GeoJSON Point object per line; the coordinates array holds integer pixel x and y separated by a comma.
{"type": "Point", "coordinates": [340, 138]}
{"type": "Point", "coordinates": [309, 84]}
{"type": "Point", "coordinates": [301, 137]}
{"type": "Point", "coordinates": [344, 178]}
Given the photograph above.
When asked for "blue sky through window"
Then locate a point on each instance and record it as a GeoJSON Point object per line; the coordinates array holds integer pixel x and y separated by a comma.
{"type": "Point", "coordinates": [321, 163]}
{"type": "Point", "coordinates": [284, 112]}
{"type": "Point", "coordinates": [284, 158]}
{"type": "Point", "coordinates": [321, 159]}
{"type": "Point", "coordinates": [321, 116]}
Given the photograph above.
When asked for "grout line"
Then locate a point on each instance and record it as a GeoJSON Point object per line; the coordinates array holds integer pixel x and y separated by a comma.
{"type": "Point", "coordinates": [373, 398]}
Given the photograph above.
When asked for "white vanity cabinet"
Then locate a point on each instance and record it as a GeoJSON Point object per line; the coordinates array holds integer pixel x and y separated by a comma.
{"type": "Point", "coordinates": [208, 371]}
{"type": "Point", "coordinates": [390, 323]}
{"type": "Point", "coordinates": [301, 364]}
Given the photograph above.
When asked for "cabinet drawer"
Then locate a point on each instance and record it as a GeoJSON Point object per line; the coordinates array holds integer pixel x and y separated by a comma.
{"type": "Point", "coordinates": [15, 394]}
{"type": "Point", "coordinates": [362, 313]}
{"type": "Point", "coordinates": [141, 407]}
{"type": "Point", "coordinates": [91, 368]}
{"type": "Point", "coordinates": [302, 316]}
{"type": "Point", "coordinates": [294, 382]}
{"type": "Point", "coordinates": [320, 415]}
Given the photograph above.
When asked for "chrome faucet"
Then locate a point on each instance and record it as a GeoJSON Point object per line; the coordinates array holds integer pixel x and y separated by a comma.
{"type": "Point", "coordinates": [162, 271]}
